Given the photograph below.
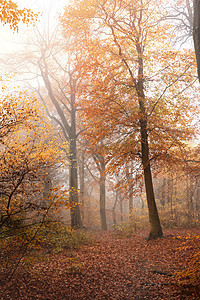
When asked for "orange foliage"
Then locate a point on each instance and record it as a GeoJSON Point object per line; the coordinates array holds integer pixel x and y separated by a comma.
{"type": "Point", "coordinates": [11, 14]}
{"type": "Point", "coordinates": [27, 155]}
{"type": "Point", "coordinates": [110, 34]}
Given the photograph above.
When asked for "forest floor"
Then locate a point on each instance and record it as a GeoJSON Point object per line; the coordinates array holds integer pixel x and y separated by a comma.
{"type": "Point", "coordinates": [113, 267]}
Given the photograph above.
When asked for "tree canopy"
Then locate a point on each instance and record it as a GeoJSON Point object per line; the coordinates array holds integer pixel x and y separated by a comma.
{"type": "Point", "coordinates": [133, 94]}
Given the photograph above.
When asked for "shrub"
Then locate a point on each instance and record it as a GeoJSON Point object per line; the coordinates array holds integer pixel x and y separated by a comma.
{"type": "Point", "coordinates": [29, 243]}
{"type": "Point", "coordinates": [138, 220]}
{"type": "Point", "coordinates": [190, 250]}
{"type": "Point", "coordinates": [56, 237]}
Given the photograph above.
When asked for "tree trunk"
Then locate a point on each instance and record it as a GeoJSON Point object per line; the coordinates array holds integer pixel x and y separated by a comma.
{"type": "Point", "coordinates": [121, 208]}
{"type": "Point", "coordinates": [102, 183]}
{"type": "Point", "coordinates": [82, 183]}
{"type": "Point", "coordinates": [101, 166]}
{"type": "Point", "coordinates": [196, 32]}
{"type": "Point", "coordinates": [103, 200]}
{"type": "Point", "coordinates": [198, 198]}
{"type": "Point", "coordinates": [130, 200]}
{"type": "Point", "coordinates": [73, 185]}
{"type": "Point", "coordinates": [130, 187]}
{"type": "Point", "coordinates": [163, 192]}
{"type": "Point", "coordinates": [113, 211]}
{"type": "Point", "coordinates": [155, 226]}
{"type": "Point", "coordinates": [172, 195]}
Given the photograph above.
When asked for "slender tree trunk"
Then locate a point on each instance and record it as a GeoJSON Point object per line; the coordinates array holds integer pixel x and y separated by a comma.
{"type": "Point", "coordinates": [73, 168]}
{"type": "Point", "coordinates": [121, 208]}
{"type": "Point", "coordinates": [113, 210]}
{"type": "Point", "coordinates": [163, 193]}
{"type": "Point", "coordinates": [155, 226]}
{"type": "Point", "coordinates": [172, 195]}
{"type": "Point", "coordinates": [101, 166]}
{"type": "Point", "coordinates": [196, 32]}
{"type": "Point", "coordinates": [73, 185]}
{"type": "Point", "coordinates": [102, 199]}
{"type": "Point", "coordinates": [198, 198]}
{"type": "Point", "coordinates": [82, 183]}
{"type": "Point", "coordinates": [168, 189]}
{"type": "Point", "coordinates": [130, 187]}
{"type": "Point", "coordinates": [130, 200]}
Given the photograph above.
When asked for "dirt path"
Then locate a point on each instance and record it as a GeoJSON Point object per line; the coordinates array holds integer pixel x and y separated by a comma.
{"type": "Point", "coordinates": [112, 268]}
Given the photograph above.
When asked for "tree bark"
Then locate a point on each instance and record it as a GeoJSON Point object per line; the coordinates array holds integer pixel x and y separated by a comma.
{"type": "Point", "coordinates": [102, 183]}
{"type": "Point", "coordinates": [73, 185]}
{"type": "Point", "coordinates": [196, 33]}
{"type": "Point", "coordinates": [198, 197]}
{"type": "Point", "coordinates": [101, 166]}
{"type": "Point", "coordinates": [82, 183]}
{"type": "Point", "coordinates": [130, 187]}
{"type": "Point", "coordinates": [113, 210]}
{"type": "Point", "coordinates": [155, 226]}
{"type": "Point", "coordinates": [121, 208]}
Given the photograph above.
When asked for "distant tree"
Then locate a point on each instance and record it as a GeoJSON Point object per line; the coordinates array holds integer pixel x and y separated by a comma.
{"type": "Point", "coordinates": [64, 102]}
{"type": "Point", "coordinates": [185, 15]}
{"type": "Point", "coordinates": [96, 151]}
{"type": "Point", "coordinates": [53, 62]}
{"type": "Point", "coordinates": [101, 166]}
{"type": "Point", "coordinates": [196, 33]}
{"type": "Point", "coordinates": [180, 15]}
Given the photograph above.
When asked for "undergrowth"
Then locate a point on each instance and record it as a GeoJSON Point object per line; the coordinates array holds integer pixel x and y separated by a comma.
{"type": "Point", "coordinates": [58, 237]}
{"type": "Point", "coordinates": [190, 250]}
{"type": "Point", "coordinates": [26, 245]}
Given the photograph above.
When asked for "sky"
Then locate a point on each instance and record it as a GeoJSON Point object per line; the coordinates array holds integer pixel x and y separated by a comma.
{"type": "Point", "coordinates": [12, 42]}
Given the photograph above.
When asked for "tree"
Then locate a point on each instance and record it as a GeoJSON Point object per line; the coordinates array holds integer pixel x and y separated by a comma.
{"type": "Point", "coordinates": [180, 14]}
{"type": "Point", "coordinates": [27, 153]}
{"type": "Point", "coordinates": [101, 166]}
{"type": "Point", "coordinates": [185, 15]}
{"type": "Point", "coordinates": [61, 82]}
{"type": "Point", "coordinates": [123, 97]}
{"type": "Point", "coordinates": [96, 151]}
{"type": "Point", "coordinates": [196, 33]}
{"type": "Point", "coordinates": [49, 62]}
{"type": "Point", "coordinates": [70, 135]}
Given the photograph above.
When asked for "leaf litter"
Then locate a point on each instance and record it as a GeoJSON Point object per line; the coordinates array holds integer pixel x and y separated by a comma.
{"type": "Point", "coordinates": [111, 268]}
